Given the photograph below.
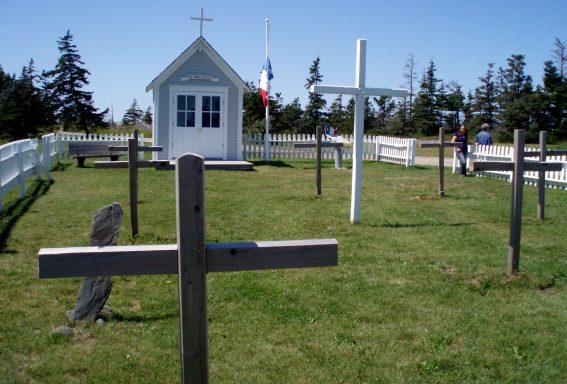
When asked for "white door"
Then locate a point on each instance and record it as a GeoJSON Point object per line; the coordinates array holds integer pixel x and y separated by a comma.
{"type": "Point", "coordinates": [198, 124]}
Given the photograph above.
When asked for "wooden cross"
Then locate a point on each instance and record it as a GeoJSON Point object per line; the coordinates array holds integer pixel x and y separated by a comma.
{"type": "Point", "coordinates": [542, 154]}
{"type": "Point", "coordinates": [201, 20]}
{"type": "Point", "coordinates": [319, 144]}
{"type": "Point", "coordinates": [359, 91]}
{"type": "Point", "coordinates": [441, 144]}
{"type": "Point", "coordinates": [517, 166]}
{"type": "Point", "coordinates": [192, 258]}
{"type": "Point", "coordinates": [132, 164]}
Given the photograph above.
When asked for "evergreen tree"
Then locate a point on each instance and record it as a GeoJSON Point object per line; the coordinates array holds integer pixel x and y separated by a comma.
{"type": "Point", "coordinates": [384, 113]}
{"type": "Point", "coordinates": [74, 107]}
{"type": "Point", "coordinates": [254, 111]}
{"type": "Point", "coordinates": [486, 99]}
{"type": "Point", "coordinates": [555, 90]}
{"type": "Point", "coordinates": [23, 108]}
{"type": "Point", "coordinates": [426, 109]}
{"type": "Point", "coordinates": [133, 114]}
{"type": "Point", "coordinates": [552, 93]}
{"type": "Point", "coordinates": [290, 118]}
{"type": "Point", "coordinates": [313, 115]}
{"type": "Point", "coordinates": [338, 115]}
{"type": "Point", "coordinates": [518, 102]}
{"type": "Point", "coordinates": [148, 116]}
{"type": "Point", "coordinates": [369, 116]}
{"type": "Point", "coordinates": [454, 104]}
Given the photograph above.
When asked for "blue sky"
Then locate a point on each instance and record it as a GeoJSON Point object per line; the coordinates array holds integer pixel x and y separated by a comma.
{"type": "Point", "coordinates": [126, 44]}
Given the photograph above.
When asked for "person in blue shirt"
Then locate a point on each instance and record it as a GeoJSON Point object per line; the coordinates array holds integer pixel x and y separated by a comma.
{"type": "Point", "coordinates": [461, 150]}
{"type": "Point", "coordinates": [483, 137]}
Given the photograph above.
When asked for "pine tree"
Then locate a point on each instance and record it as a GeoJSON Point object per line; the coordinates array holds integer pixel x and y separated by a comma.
{"type": "Point", "coordinates": [254, 111]}
{"type": "Point", "coordinates": [518, 106]}
{"type": "Point", "coordinates": [23, 108]}
{"type": "Point", "coordinates": [453, 105]}
{"type": "Point", "coordinates": [426, 109]}
{"type": "Point", "coordinates": [133, 114]}
{"type": "Point", "coordinates": [148, 116]}
{"type": "Point", "coordinates": [290, 118]}
{"type": "Point", "coordinates": [313, 115]}
{"type": "Point", "coordinates": [384, 113]}
{"type": "Point", "coordinates": [486, 98]}
{"type": "Point", "coordinates": [74, 107]}
{"type": "Point", "coordinates": [337, 115]}
{"type": "Point", "coordinates": [555, 89]}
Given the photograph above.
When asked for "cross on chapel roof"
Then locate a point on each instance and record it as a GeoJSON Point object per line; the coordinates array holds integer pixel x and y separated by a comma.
{"type": "Point", "coordinates": [201, 19]}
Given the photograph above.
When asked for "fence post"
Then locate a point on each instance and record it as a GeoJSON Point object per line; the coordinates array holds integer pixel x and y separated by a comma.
{"type": "Point", "coordinates": [48, 143]}
{"type": "Point", "coordinates": [378, 148]}
{"type": "Point", "coordinates": [20, 161]}
{"type": "Point", "coordinates": [1, 189]}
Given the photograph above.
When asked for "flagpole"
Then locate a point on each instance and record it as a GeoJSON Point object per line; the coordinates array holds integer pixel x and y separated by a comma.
{"type": "Point", "coordinates": [267, 136]}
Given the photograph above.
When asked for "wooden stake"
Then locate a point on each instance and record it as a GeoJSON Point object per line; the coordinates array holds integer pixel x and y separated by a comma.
{"type": "Point", "coordinates": [318, 177]}
{"type": "Point", "coordinates": [516, 209]}
{"type": "Point", "coordinates": [541, 176]}
{"type": "Point", "coordinates": [192, 264]}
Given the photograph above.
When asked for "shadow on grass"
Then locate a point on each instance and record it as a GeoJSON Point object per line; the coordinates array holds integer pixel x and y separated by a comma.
{"type": "Point", "coordinates": [16, 209]}
{"type": "Point", "coordinates": [416, 225]}
{"type": "Point", "coordinates": [273, 163]}
{"type": "Point", "coordinates": [140, 318]}
{"type": "Point", "coordinates": [60, 167]}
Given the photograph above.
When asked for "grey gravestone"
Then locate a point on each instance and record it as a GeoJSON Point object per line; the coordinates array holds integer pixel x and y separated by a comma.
{"type": "Point", "coordinates": [95, 290]}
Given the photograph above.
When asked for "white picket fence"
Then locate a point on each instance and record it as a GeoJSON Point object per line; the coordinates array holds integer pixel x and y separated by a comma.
{"type": "Point", "coordinates": [556, 179]}
{"type": "Point", "coordinates": [378, 148]}
{"type": "Point", "coordinates": [20, 160]}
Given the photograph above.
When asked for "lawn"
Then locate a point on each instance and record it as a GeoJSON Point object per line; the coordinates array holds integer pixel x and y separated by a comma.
{"type": "Point", "coordinates": [420, 294]}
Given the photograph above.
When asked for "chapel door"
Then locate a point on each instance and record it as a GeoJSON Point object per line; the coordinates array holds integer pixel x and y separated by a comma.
{"type": "Point", "coordinates": [198, 124]}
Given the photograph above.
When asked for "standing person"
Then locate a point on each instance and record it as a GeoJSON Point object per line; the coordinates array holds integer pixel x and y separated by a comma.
{"type": "Point", "coordinates": [461, 150]}
{"type": "Point", "coordinates": [483, 137]}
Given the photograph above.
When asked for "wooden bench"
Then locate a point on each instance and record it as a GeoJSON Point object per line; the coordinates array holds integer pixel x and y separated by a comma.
{"type": "Point", "coordinates": [83, 149]}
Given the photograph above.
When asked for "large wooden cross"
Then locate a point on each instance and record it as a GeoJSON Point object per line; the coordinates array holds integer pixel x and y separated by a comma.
{"type": "Point", "coordinates": [359, 91]}
{"type": "Point", "coordinates": [542, 154]}
{"type": "Point", "coordinates": [192, 258]}
{"type": "Point", "coordinates": [441, 144]}
{"type": "Point", "coordinates": [518, 165]}
{"type": "Point", "coordinates": [132, 164]}
{"type": "Point", "coordinates": [318, 145]}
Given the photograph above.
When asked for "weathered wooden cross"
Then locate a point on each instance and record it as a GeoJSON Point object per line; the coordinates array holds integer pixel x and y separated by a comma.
{"type": "Point", "coordinates": [542, 154]}
{"type": "Point", "coordinates": [318, 145]}
{"type": "Point", "coordinates": [517, 166]}
{"type": "Point", "coordinates": [441, 144]}
{"type": "Point", "coordinates": [132, 164]}
{"type": "Point", "coordinates": [359, 91]}
{"type": "Point", "coordinates": [192, 258]}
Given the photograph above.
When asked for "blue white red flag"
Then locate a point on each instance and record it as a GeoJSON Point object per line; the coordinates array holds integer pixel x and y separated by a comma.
{"type": "Point", "coordinates": [265, 78]}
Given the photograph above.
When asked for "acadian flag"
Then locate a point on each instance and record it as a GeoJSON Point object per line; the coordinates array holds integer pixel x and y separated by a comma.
{"type": "Point", "coordinates": [265, 78]}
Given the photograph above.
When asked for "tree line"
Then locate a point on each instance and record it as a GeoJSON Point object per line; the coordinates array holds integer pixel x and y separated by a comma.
{"type": "Point", "coordinates": [36, 102]}
{"type": "Point", "coordinates": [506, 99]}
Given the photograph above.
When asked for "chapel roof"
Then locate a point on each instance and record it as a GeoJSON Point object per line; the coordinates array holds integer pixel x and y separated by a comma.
{"type": "Point", "coordinates": [201, 44]}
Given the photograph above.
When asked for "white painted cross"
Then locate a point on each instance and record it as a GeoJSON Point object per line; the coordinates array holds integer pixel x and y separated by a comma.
{"type": "Point", "coordinates": [359, 91]}
{"type": "Point", "coordinates": [191, 258]}
{"type": "Point", "coordinates": [201, 19]}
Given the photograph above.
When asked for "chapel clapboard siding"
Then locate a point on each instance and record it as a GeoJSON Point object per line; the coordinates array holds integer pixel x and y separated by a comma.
{"type": "Point", "coordinates": [202, 59]}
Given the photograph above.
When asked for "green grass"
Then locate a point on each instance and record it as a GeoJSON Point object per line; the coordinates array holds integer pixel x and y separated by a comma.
{"type": "Point", "coordinates": [420, 294]}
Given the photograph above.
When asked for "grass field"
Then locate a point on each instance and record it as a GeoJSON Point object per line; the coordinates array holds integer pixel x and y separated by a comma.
{"type": "Point", "coordinates": [420, 294]}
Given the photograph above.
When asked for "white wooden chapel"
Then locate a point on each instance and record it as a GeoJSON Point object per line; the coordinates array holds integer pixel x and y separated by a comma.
{"type": "Point", "coordinates": [198, 103]}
